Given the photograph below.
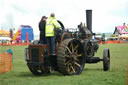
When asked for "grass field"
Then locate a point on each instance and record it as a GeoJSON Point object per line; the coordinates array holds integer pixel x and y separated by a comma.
{"type": "Point", "coordinates": [93, 74]}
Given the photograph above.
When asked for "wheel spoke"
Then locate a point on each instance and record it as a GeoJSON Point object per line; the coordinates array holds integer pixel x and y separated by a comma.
{"type": "Point", "coordinates": [68, 50]}
{"type": "Point", "coordinates": [76, 59]}
{"type": "Point", "coordinates": [67, 56]}
{"type": "Point", "coordinates": [76, 51]}
{"type": "Point", "coordinates": [73, 69]}
{"type": "Point", "coordinates": [72, 47]}
{"type": "Point", "coordinates": [77, 64]}
{"type": "Point", "coordinates": [79, 55]}
{"type": "Point", "coordinates": [68, 68]}
{"type": "Point", "coordinates": [76, 47]}
{"type": "Point", "coordinates": [67, 62]}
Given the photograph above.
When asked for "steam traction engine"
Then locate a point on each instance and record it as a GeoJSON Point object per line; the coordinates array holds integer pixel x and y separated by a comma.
{"type": "Point", "coordinates": [74, 49]}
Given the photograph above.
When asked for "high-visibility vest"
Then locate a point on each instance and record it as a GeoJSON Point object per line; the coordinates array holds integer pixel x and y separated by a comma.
{"type": "Point", "coordinates": [51, 24]}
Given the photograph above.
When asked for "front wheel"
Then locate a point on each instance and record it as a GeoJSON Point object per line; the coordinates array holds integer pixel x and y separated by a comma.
{"type": "Point", "coordinates": [106, 59]}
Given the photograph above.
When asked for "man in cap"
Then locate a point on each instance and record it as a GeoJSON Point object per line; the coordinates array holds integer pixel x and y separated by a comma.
{"type": "Point", "coordinates": [51, 24]}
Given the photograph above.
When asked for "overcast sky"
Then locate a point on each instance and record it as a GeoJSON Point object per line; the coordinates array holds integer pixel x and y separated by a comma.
{"type": "Point", "coordinates": [106, 13]}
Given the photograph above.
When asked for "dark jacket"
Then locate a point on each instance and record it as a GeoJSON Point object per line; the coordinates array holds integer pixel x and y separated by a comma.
{"type": "Point", "coordinates": [42, 29]}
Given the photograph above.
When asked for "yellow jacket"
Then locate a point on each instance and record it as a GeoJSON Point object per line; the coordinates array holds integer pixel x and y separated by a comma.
{"type": "Point", "coordinates": [51, 24]}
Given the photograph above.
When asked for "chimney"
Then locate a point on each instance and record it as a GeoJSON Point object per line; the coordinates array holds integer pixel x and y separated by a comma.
{"type": "Point", "coordinates": [89, 19]}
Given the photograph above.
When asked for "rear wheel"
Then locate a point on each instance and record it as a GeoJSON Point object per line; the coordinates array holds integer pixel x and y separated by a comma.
{"type": "Point", "coordinates": [70, 57]}
{"type": "Point", "coordinates": [39, 71]}
{"type": "Point", "coordinates": [35, 70]}
{"type": "Point", "coordinates": [106, 59]}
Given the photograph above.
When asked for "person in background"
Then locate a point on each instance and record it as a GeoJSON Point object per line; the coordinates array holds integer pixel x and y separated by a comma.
{"type": "Point", "coordinates": [11, 33]}
{"type": "Point", "coordinates": [124, 24]}
{"type": "Point", "coordinates": [127, 27]}
{"type": "Point", "coordinates": [51, 24]}
{"type": "Point", "coordinates": [124, 28]}
{"type": "Point", "coordinates": [42, 24]}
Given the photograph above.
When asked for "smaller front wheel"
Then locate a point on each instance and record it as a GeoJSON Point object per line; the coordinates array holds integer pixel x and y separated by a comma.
{"type": "Point", "coordinates": [106, 59]}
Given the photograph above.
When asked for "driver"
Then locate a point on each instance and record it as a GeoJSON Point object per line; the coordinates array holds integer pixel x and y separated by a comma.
{"type": "Point", "coordinates": [51, 24]}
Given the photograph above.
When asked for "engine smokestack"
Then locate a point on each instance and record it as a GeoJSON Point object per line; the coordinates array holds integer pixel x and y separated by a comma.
{"type": "Point", "coordinates": [89, 19]}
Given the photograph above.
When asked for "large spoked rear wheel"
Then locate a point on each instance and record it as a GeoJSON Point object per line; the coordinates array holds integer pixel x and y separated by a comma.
{"type": "Point", "coordinates": [70, 57]}
{"type": "Point", "coordinates": [106, 59]}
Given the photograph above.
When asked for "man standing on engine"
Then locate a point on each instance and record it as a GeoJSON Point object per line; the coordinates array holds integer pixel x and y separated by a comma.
{"type": "Point", "coordinates": [51, 24]}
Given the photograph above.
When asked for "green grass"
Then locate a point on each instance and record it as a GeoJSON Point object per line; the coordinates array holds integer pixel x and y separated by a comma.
{"type": "Point", "coordinates": [93, 74]}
